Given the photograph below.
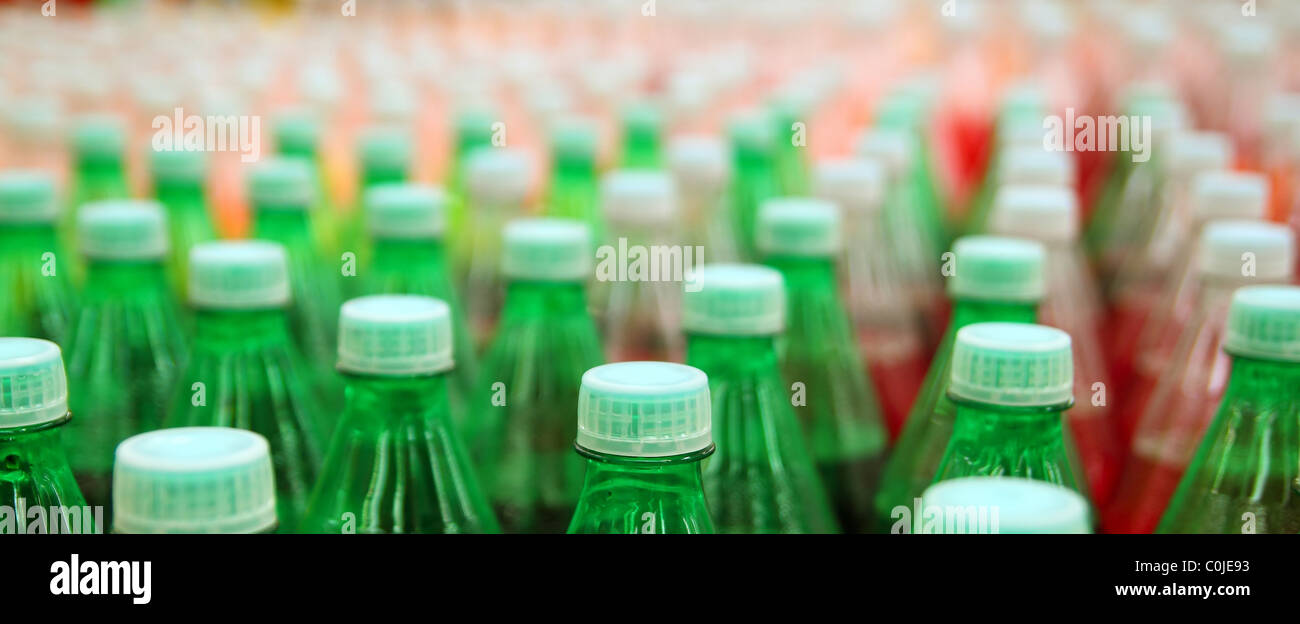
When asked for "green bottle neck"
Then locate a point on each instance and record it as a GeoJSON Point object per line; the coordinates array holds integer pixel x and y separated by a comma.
{"type": "Point", "coordinates": [806, 274]}
{"type": "Point", "coordinates": [117, 279]}
{"type": "Point", "coordinates": [751, 164]}
{"type": "Point", "coordinates": [42, 440]}
{"type": "Point", "coordinates": [180, 193]}
{"type": "Point", "coordinates": [531, 299]}
{"type": "Point", "coordinates": [677, 475]}
{"type": "Point", "coordinates": [385, 173]}
{"type": "Point", "coordinates": [100, 168]}
{"type": "Point", "coordinates": [969, 311]}
{"type": "Point", "coordinates": [286, 226]}
{"type": "Point", "coordinates": [239, 329]}
{"type": "Point", "coordinates": [375, 402]}
{"type": "Point", "coordinates": [425, 256]}
{"type": "Point", "coordinates": [726, 356]}
{"type": "Point", "coordinates": [1263, 382]}
{"type": "Point", "coordinates": [1002, 427]}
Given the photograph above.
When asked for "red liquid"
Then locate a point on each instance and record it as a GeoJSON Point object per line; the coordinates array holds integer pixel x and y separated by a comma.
{"type": "Point", "coordinates": [1144, 493]}
{"type": "Point", "coordinates": [1133, 402]}
{"type": "Point", "coordinates": [1099, 451]}
{"type": "Point", "coordinates": [897, 382]}
{"type": "Point", "coordinates": [1124, 326]}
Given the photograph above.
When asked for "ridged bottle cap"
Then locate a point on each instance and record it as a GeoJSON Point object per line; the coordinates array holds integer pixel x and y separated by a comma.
{"type": "Point", "coordinates": [1037, 166]}
{"type": "Point", "coordinates": [856, 185]}
{"type": "Point", "coordinates": [406, 211]}
{"type": "Point", "coordinates": [27, 197]}
{"type": "Point", "coordinates": [98, 137]}
{"type": "Point", "coordinates": [1264, 323]}
{"type": "Point", "coordinates": [33, 386]}
{"type": "Point", "coordinates": [1189, 152]}
{"type": "Point", "coordinates": [178, 166]}
{"type": "Point", "coordinates": [1021, 505]}
{"type": "Point", "coordinates": [1012, 364]}
{"type": "Point", "coordinates": [699, 161]}
{"type": "Point", "coordinates": [395, 336]}
{"type": "Point", "coordinates": [638, 197]}
{"type": "Point", "coordinates": [644, 409]}
{"type": "Point", "coordinates": [1225, 245]}
{"type": "Point", "coordinates": [996, 268]}
{"type": "Point", "coordinates": [1229, 195]}
{"type": "Point", "coordinates": [385, 148]}
{"type": "Point", "coordinates": [798, 226]}
{"type": "Point", "coordinates": [1043, 213]}
{"type": "Point", "coordinates": [238, 275]}
{"type": "Point", "coordinates": [547, 249]}
{"type": "Point", "coordinates": [281, 184]}
{"type": "Point", "coordinates": [498, 175]}
{"type": "Point", "coordinates": [296, 133]}
{"type": "Point", "coordinates": [122, 229]}
{"type": "Point", "coordinates": [194, 480]}
{"type": "Point", "coordinates": [735, 299]}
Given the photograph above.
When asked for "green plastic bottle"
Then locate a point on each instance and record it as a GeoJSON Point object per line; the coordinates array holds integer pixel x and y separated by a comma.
{"type": "Point", "coordinates": [33, 410]}
{"type": "Point", "coordinates": [522, 434]}
{"type": "Point", "coordinates": [194, 480]}
{"type": "Point", "coordinates": [991, 279]}
{"type": "Point", "coordinates": [998, 505]}
{"type": "Point", "coordinates": [245, 370]}
{"type": "Point", "coordinates": [1243, 477]}
{"type": "Point", "coordinates": [642, 127]}
{"type": "Point", "coordinates": [830, 388]}
{"type": "Point", "coordinates": [385, 155]}
{"type": "Point", "coordinates": [39, 297]}
{"type": "Point", "coordinates": [791, 105]}
{"type": "Point", "coordinates": [397, 463]}
{"type": "Point", "coordinates": [281, 192]}
{"type": "Point", "coordinates": [297, 136]}
{"type": "Point", "coordinates": [98, 151]}
{"type": "Point", "coordinates": [407, 224]}
{"type": "Point", "coordinates": [473, 128]}
{"type": "Point", "coordinates": [762, 479]}
{"type": "Point", "coordinates": [907, 112]}
{"type": "Point", "coordinates": [126, 338]}
{"type": "Point", "coordinates": [754, 182]}
{"type": "Point", "coordinates": [180, 185]}
{"type": "Point", "coordinates": [1012, 383]}
{"type": "Point", "coordinates": [573, 193]}
{"type": "Point", "coordinates": [643, 428]}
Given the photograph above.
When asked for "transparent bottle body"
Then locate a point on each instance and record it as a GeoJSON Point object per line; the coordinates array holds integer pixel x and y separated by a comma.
{"type": "Point", "coordinates": [1243, 476]}
{"type": "Point", "coordinates": [633, 495]}
{"type": "Point", "coordinates": [189, 222]}
{"type": "Point", "coordinates": [479, 274]}
{"type": "Point", "coordinates": [639, 311]}
{"type": "Point", "coordinates": [753, 184]}
{"type": "Point", "coordinates": [998, 440]}
{"type": "Point", "coordinates": [397, 464]}
{"type": "Point", "coordinates": [39, 297]}
{"type": "Point", "coordinates": [37, 485]}
{"type": "Point", "coordinates": [915, 459]}
{"type": "Point", "coordinates": [245, 371]}
{"type": "Point", "coordinates": [121, 355]}
{"type": "Point", "coordinates": [762, 479]}
{"type": "Point", "coordinates": [525, 409]}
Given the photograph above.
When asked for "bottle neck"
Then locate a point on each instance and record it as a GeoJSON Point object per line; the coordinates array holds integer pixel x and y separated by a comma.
{"type": "Point", "coordinates": [386, 402]}
{"type": "Point", "coordinates": [180, 193]}
{"type": "Point", "coordinates": [425, 256]}
{"type": "Point", "coordinates": [530, 299]}
{"type": "Point", "coordinates": [117, 278]}
{"type": "Point", "coordinates": [678, 474]}
{"type": "Point", "coordinates": [805, 273]}
{"type": "Point", "coordinates": [721, 354]}
{"type": "Point", "coordinates": [288, 226]}
{"type": "Point", "coordinates": [234, 329]}
{"type": "Point", "coordinates": [1263, 382]}
{"type": "Point", "coordinates": [990, 424]}
{"type": "Point", "coordinates": [99, 168]}
{"type": "Point", "coordinates": [386, 173]}
{"type": "Point", "coordinates": [24, 448]}
{"type": "Point", "coordinates": [969, 311]}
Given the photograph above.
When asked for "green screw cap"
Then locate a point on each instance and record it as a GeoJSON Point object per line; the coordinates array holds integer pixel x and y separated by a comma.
{"type": "Point", "coordinates": [33, 386]}
{"type": "Point", "coordinates": [194, 480]}
{"type": "Point", "coordinates": [395, 336]}
{"type": "Point", "coordinates": [735, 300]}
{"type": "Point", "coordinates": [1264, 323]}
{"type": "Point", "coordinates": [1012, 364]}
{"type": "Point", "coordinates": [644, 409]}
{"type": "Point", "coordinates": [995, 268]}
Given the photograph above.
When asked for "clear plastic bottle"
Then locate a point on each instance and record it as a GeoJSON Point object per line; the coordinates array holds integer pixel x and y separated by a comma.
{"type": "Point", "coordinates": [1176, 400]}
{"type": "Point", "coordinates": [644, 429]}
{"type": "Point", "coordinates": [637, 302]}
{"type": "Point", "coordinates": [194, 480]}
{"type": "Point", "coordinates": [1050, 215]}
{"type": "Point", "coordinates": [702, 172]}
{"type": "Point", "coordinates": [497, 182]}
